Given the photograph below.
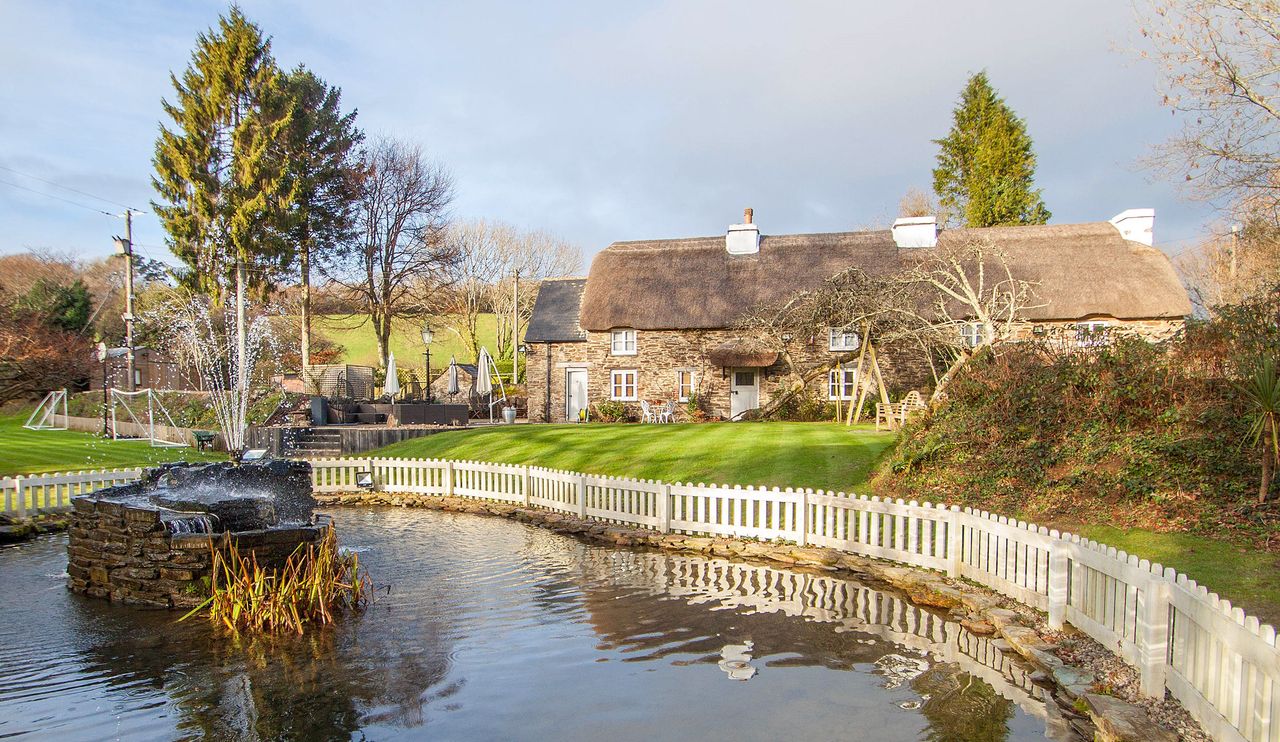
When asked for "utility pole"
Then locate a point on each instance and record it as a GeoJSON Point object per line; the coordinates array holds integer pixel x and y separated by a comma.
{"type": "Point", "coordinates": [124, 246]}
{"type": "Point", "coordinates": [515, 329]}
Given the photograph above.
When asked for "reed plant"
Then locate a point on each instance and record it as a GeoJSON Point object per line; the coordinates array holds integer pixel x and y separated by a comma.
{"type": "Point", "coordinates": [316, 583]}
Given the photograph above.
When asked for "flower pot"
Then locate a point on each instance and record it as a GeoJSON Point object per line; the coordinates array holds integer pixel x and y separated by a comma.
{"type": "Point", "coordinates": [509, 415]}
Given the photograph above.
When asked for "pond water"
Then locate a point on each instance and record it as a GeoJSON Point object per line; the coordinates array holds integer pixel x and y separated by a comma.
{"type": "Point", "coordinates": [488, 629]}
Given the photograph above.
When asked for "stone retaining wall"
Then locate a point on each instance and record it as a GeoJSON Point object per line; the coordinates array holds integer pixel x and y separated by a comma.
{"type": "Point", "coordinates": [128, 556]}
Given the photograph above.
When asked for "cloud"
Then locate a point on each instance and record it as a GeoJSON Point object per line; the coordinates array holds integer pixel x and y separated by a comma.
{"type": "Point", "coordinates": [606, 121]}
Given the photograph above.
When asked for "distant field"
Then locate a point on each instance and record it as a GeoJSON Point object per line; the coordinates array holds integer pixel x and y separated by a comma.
{"type": "Point", "coordinates": [356, 335]}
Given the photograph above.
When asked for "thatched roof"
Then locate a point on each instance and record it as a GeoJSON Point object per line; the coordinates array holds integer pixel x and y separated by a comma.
{"type": "Point", "coordinates": [695, 284]}
{"type": "Point", "coordinates": [736, 354]}
{"type": "Point", "coordinates": [555, 312]}
{"type": "Point", "coordinates": [1079, 269]}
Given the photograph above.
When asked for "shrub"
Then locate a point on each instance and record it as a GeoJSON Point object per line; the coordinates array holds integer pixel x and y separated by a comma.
{"type": "Point", "coordinates": [1133, 433]}
{"type": "Point", "coordinates": [805, 407]}
{"type": "Point", "coordinates": [610, 412]}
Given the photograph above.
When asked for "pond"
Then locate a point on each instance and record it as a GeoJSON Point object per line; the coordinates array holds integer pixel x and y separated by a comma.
{"type": "Point", "coordinates": [485, 628]}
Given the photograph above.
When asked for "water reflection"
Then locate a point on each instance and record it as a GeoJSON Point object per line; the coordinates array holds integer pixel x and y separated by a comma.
{"type": "Point", "coordinates": [493, 630]}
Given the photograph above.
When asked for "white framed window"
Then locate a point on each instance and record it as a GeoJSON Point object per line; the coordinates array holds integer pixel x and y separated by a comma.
{"type": "Point", "coordinates": [842, 339]}
{"type": "Point", "coordinates": [622, 343]}
{"type": "Point", "coordinates": [684, 385]}
{"type": "Point", "coordinates": [137, 378]}
{"type": "Point", "coordinates": [622, 385]}
{"type": "Point", "coordinates": [971, 334]}
{"type": "Point", "coordinates": [842, 383]}
{"type": "Point", "coordinates": [1091, 333]}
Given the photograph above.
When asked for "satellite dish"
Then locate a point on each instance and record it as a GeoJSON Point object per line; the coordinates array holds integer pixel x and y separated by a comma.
{"type": "Point", "coordinates": [102, 352]}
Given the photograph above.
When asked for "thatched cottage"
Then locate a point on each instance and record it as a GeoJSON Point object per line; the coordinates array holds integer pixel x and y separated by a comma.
{"type": "Point", "coordinates": [655, 320]}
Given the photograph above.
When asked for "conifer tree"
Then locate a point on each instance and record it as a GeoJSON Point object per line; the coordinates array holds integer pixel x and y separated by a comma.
{"type": "Point", "coordinates": [324, 179]}
{"type": "Point", "coordinates": [985, 175]}
{"type": "Point", "coordinates": [221, 178]}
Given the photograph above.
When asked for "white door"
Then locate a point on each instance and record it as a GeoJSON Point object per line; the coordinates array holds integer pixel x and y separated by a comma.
{"type": "Point", "coordinates": [575, 393]}
{"type": "Point", "coordinates": [744, 392]}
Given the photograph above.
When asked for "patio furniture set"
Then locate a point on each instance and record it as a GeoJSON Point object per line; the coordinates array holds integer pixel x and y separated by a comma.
{"type": "Point", "coordinates": [664, 412]}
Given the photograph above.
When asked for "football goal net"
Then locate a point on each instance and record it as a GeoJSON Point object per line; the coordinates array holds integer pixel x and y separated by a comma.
{"type": "Point", "coordinates": [45, 416]}
{"type": "Point", "coordinates": [144, 416]}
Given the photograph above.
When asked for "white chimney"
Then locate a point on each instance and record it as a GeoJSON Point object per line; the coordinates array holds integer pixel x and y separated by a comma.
{"type": "Point", "coordinates": [1137, 225]}
{"type": "Point", "coordinates": [916, 231]}
{"type": "Point", "coordinates": [743, 239]}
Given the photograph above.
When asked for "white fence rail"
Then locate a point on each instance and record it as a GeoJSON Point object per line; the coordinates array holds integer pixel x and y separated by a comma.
{"type": "Point", "coordinates": [1222, 665]}
{"type": "Point", "coordinates": [46, 493]}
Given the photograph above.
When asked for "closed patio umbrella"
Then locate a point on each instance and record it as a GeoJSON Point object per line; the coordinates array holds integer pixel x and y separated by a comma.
{"type": "Point", "coordinates": [453, 376]}
{"type": "Point", "coordinates": [484, 384]}
{"type": "Point", "coordinates": [392, 387]}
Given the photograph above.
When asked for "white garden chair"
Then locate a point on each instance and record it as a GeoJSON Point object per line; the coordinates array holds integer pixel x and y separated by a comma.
{"type": "Point", "coordinates": [668, 413]}
{"type": "Point", "coordinates": [647, 415]}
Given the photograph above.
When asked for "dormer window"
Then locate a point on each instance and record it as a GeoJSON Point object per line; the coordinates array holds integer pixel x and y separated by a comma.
{"type": "Point", "coordinates": [622, 343]}
{"type": "Point", "coordinates": [840, 339]}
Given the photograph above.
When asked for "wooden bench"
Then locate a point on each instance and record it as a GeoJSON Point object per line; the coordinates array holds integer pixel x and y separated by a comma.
{"type": "Point", "coordinates": [894, 415]}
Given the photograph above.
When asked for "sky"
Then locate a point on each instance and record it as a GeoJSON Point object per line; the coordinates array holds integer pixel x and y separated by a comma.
{"type": "Point", "coordinates": [605, 121]}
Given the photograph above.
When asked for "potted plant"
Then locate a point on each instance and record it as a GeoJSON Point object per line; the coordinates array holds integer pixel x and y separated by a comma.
{"type": "Point", "coordinates": [509, 415]}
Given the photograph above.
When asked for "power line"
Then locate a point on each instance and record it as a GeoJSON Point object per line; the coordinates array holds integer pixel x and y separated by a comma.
{"type": "Point", "coordinates": [60, 198]}
{"type": "Point", "coordinates": [67, 188]}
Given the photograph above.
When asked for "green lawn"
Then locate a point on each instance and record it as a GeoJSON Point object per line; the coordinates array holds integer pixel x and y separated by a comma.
{"type": "Point", "coordinates": [356, 335]}
{"type": "Point", "coordinates": [1243, 574]}
{"type": "Point", "coordinates": [818, 455]}
{"type": "Point", "coordinates": [25, 451]}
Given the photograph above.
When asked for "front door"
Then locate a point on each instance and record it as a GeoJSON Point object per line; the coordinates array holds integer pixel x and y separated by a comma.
{"type": "Point", "coordinates": [575, 393]}
{"type": "Point", "coordinates": [744, 392]}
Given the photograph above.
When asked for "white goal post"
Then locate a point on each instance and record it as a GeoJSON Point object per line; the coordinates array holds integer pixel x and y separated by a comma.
{"type": "Point", "coordinates": [152, 423]}
{"type": "Point", "coordinates": [45, 416]}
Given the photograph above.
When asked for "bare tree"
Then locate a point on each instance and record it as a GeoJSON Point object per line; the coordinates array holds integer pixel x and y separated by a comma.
{"type": "Point", "coordinates": [537, 256]}
{"type": "Point", "coordinates": [491, 255]}
{"type": "Point", "coordinates": [948, 302]}
{"type": "Point", "coordinates": [401, 259]}
{"type": "Point", "coordinates": [1219, 64]}
{"type": "Point", "coordinates": [1231, 265]}
{"type": "Point", "coordinates": [482, 249]}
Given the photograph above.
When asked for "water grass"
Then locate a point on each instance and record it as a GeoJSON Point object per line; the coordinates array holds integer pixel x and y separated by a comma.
{"type": "Point", "coordinates": [316, 583]}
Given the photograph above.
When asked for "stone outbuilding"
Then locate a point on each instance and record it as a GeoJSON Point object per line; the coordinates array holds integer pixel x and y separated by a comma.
{"type": "Point", "coordinates": [658, 320]}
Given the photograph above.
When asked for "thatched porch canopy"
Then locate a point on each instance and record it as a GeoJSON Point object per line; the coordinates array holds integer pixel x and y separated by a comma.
{"type": "Point", "coordinates": [736, 354]}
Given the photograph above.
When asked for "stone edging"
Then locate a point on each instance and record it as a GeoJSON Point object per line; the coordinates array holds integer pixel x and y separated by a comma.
{"type": "Point", "coordinates": [1078, 706]}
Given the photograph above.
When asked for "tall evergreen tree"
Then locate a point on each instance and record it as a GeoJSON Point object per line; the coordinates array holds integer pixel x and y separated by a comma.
{"type": "Point", "coordinates": [324, 178]}
{"type": "Point", "coordinates": [222, 181]}
{"type": "Point", "coordinates": [985, 175]}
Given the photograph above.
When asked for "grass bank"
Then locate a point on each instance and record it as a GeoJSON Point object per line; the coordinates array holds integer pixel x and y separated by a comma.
{"type": "Point", "coordinates": [817, 455]}
{"type": "Point", "coordinates": [25, 451]}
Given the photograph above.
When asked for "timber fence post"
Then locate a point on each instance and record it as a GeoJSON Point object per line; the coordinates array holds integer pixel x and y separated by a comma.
{"type": "Point", "coordinates": [20, 489]}
{"type": "Point", "coordinates": [448, 478]}
{"type": "Point", "coordinates": [1059, 586]}
{"type": "Point", "coordinates": [803, 520]}
{"type": "Point", "coordinates": [582, 496]}
{"type": "Point", "coordinates": [524, 483]}
{"type": "Point", "coordinates": [1153, 635]}
{"type": "Point", "coordinates": [955, 541]}
{"type": "Point", "coordinates": [664, 508]}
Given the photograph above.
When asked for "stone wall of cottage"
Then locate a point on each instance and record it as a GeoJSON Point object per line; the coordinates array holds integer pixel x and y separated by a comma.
{"type": "Point", "coordinates": [1151, 330]}
{"type": "Point", "coordinates": [660, 354]}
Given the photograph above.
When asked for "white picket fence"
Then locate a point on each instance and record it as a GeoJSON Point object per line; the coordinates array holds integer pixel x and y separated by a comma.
{"type": "Point", "coordinates": [1222, 665]}
{"type": "Point", "coordinates": [47, 493]}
